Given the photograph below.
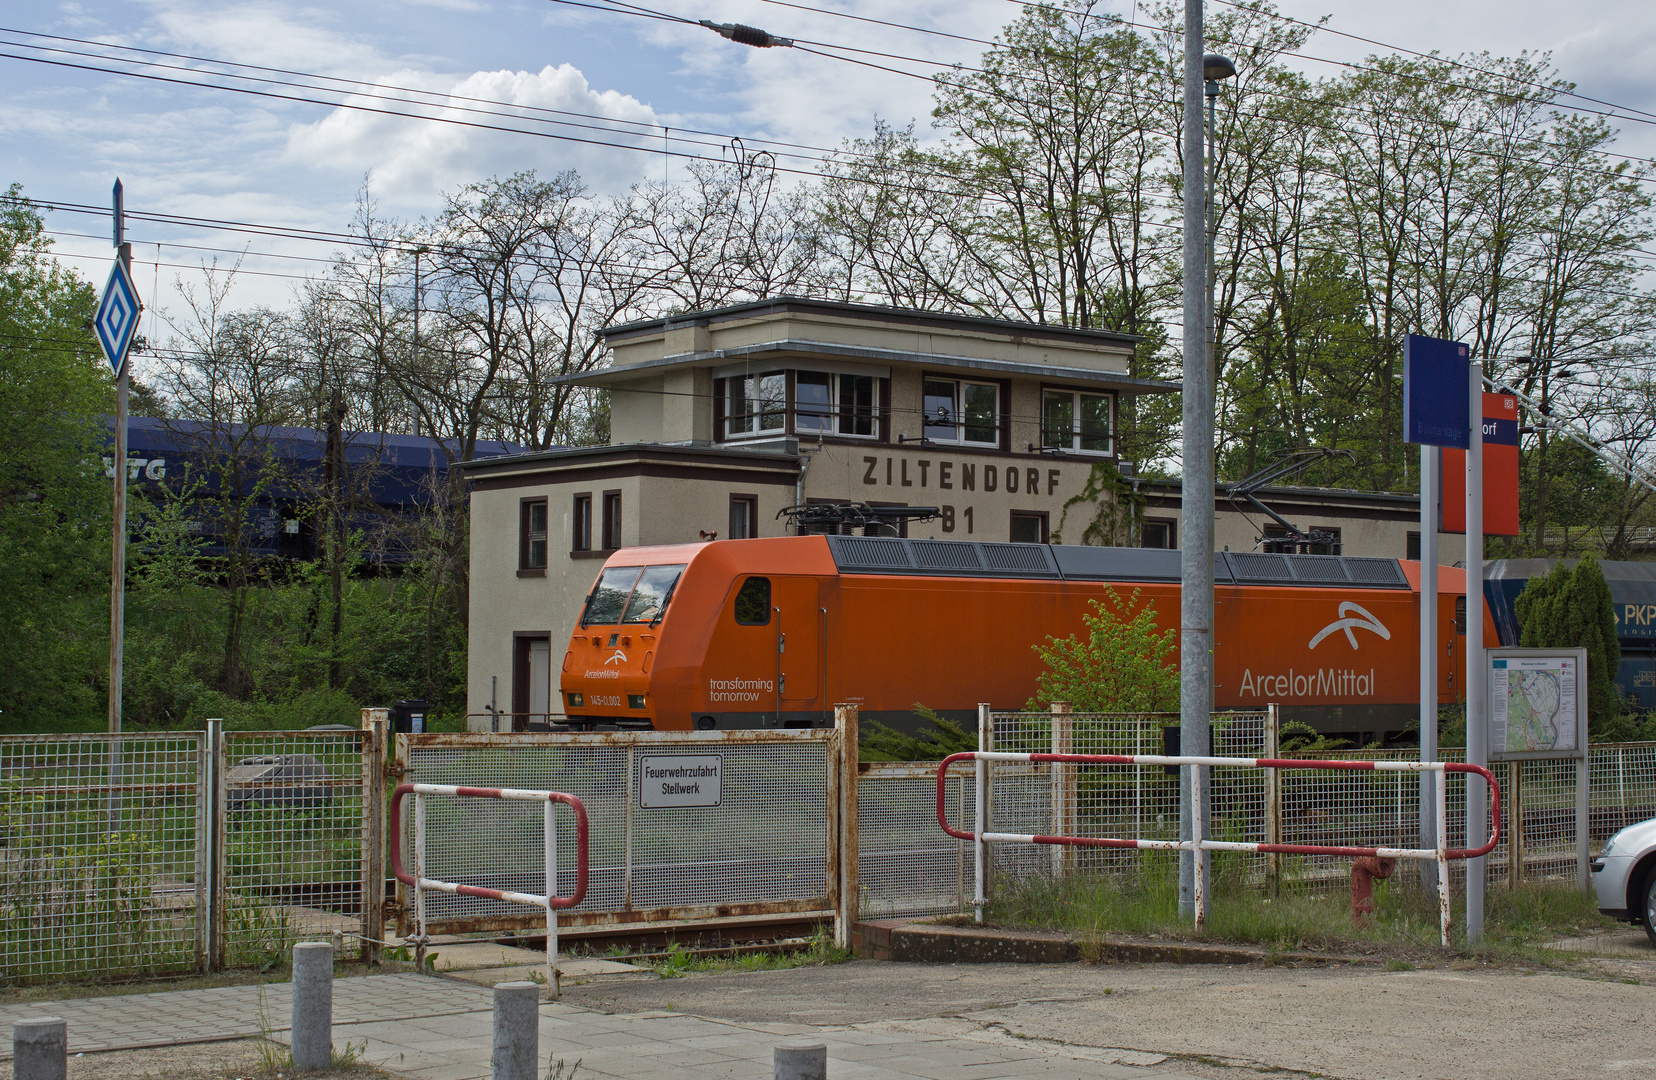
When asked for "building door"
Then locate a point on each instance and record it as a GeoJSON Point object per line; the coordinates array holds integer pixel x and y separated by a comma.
{"type": "Point", "coordinates": [531, 681]}
{"type": "Point", "coordinates": [540, 680]}
{"type": "Point", "coordinates": [799, 655]}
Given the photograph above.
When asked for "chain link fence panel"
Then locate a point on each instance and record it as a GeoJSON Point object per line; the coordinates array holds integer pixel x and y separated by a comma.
{"type": "Point", "coordinates": [99, 860]}
{"type": "Point", "coordinates": [761, 847]}
{"type": "Point", "coordinates": [906, 865]}
{"type": "Point", "coordinates": [291, 842]}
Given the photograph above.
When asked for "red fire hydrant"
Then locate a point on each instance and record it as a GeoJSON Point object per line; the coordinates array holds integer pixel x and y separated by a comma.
{"type": "Point", "coordinates": [1364, 872]}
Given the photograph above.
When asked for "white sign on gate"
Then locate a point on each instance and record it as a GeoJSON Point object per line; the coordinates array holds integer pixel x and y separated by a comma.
{"type": "Point", "coordinates": [673, 780]}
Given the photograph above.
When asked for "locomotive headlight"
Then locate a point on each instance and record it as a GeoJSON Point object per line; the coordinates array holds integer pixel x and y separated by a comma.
{"type": "Point", "coordinates": [576, 701]}
{"type": "Point", "coordinates": [635, 701]}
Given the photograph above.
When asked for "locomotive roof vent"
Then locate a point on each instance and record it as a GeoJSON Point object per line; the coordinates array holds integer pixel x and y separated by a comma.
{"type": "Point", "coordinates": [1264, 569]}
{"type": "Point", "coordinates": [950, 558]}
{"type": "Point", "coordinates": [945, 555]}
{"type": "Point", "coordinates": [1022, 559]}
{"type": "Point", "coordinates": [1383, 572]}
{"type": "Point", "coordinates": [964, 558]}
{"type": "Point", "coordinates": [869, 553]}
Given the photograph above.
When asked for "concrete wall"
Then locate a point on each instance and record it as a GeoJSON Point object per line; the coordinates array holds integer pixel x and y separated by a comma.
{"type": "Point", "coordinates": [939, 476]}
{"type": "Point", "coordinates": [654, 510]}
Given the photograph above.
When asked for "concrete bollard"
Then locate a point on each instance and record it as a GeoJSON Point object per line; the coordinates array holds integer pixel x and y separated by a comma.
{"type": "Point", "coordinates": [801, 1061]}
{"type": "Point", "coordinates": [516, 1030]}
{"type": "Point", "coordinates": [312, 1005]}
{"type": "Point", "coordinates": [40, 1049]}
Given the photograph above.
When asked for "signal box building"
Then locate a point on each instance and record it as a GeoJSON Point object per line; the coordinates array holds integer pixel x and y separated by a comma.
{"type": "Point", "coordinates": [720, 419]}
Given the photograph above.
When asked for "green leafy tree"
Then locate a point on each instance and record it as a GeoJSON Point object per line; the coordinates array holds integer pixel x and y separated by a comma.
{"type": "Point", "coordinates": [935, 739]}
{"type": "Point", "coordinates": [1122, 663]}
{"type": "Point", "coordinates": [54, 538]}
{"type": "Point", "coordinates": [1570, 608]}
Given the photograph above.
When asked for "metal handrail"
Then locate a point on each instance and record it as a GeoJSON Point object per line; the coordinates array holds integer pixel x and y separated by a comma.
{"type": "Point", "coordinates": [551, 901]}
{"type": "Point", "coordinates": [1442, 852]}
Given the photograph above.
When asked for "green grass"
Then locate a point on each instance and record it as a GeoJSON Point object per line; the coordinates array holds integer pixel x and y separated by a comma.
{"type": "Point", "coordinates": [1518, 923]}
{"type": "Point", "coordinates": [678, 962]}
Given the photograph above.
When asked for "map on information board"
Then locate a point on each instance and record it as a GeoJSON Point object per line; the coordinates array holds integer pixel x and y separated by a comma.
{"type": "Point", "coordinates": [1533, 702]}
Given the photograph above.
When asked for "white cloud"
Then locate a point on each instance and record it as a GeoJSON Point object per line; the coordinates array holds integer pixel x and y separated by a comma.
{"type": "Point", "coordinates": [409, 161]}
{"type": "Point", "coordinates": [272, 35]}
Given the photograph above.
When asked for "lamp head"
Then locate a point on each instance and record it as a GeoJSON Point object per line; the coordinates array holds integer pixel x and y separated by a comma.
{"type": "Point", "coordinates": [1216, 67]}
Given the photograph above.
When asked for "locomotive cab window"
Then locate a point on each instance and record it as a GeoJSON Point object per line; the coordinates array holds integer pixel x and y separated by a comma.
{"type": "Point", "coordinates": [631, 594]}
{"type": "Point", "coordinates": [609, 596]}
{"type": "Point", "coordinates": [652, 594]}
{"type": "Point", "coordinates": [753, 602]}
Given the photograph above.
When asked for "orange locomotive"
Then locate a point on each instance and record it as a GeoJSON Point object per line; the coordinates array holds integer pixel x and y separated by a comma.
{"type": "Point", "coordinates": [772, 633]}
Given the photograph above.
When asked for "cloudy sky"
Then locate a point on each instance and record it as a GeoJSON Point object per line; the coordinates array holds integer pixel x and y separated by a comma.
{"type": "Point", "coordinates": [243, 157]}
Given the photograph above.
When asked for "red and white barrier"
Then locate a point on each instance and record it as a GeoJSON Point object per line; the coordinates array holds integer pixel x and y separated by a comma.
{"type": "Point", "coordinates": [551, 901]}
{"type": "Point", "coordinates": [1442, 852]}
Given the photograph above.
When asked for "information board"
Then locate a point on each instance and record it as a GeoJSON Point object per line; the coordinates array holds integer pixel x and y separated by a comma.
{"type": "Point", "coordinates": [674, 780]}
{"type": "Point", "coordinates": [1537, 703]}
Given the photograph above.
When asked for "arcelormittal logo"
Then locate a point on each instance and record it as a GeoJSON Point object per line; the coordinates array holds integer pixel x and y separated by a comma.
{"type": "Point", "coordinates": [1363, 621]}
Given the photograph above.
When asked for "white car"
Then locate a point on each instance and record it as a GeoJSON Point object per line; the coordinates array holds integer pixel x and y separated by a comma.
{"type": "Point", "coordinates": [1624, 879]}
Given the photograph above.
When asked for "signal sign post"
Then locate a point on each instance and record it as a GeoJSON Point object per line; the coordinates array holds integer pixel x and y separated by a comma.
{"type": "Point", "coordinates": [113, 325]}
{"type": "Point", "coordinates": [1443, 406]}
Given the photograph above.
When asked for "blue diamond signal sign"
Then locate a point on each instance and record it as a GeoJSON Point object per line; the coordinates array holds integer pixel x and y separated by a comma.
{"type": "Point", "coordinates": [117, 317]}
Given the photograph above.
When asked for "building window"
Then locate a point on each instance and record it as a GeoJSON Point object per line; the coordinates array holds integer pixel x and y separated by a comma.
{"type": "Point", "coordinates": [755, 404]}
{"type": "Point", "coordinates": [828, 404]}
{"type": "Point", "coordinates": [612, 520]}
{"type": "Point", "coordinates": [1075, 420]}
{"type": "Point", "coordinates": [1277, 541]}
{"type": "Point", "coordinates": [532, 534]}
{"type": "Point", "coordinates": [1411, 549]}
{"type": "Point", "coordinates": [580, 522]}
{"type": "Point", "coordinates": [962, 412]}
{"type": "Point", "coordinates": [1159, 534]}
{"type": "Point", "coordinates": [753, 602]}
{"type": "Point", "coordinates": [744, 517]}
{"type": "Point", "coordinates": [1029, 527]}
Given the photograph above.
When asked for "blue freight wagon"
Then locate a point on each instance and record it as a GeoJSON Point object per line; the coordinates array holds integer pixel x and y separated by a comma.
{"type": "Point", "coordinates": [281, 472]}
{"type": "Point", "coordinates": [1632, 592]}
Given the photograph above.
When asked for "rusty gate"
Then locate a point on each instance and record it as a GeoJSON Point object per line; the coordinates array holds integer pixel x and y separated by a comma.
{"type": "Point", "coordinates": [712, 828]}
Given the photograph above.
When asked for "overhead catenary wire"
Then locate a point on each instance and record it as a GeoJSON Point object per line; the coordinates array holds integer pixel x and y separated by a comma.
{"type": "Point", "coordinates": [1614, 112]}
{"type": "Point", "coordinates": [1151, 201]}
{"type": "Point", "coordinates": [826, 154]}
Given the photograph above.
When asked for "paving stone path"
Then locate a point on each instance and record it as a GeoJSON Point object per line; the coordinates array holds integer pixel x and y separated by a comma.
{"type": "Point", "coordinates": [439, 1029]}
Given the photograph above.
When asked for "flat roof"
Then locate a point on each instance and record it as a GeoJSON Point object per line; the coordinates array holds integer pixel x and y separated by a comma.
{"type": "Point", "coordinates": [698, 452]}
{"type": "Point", "coordinates": [777, 305]}
{"type": "Point", "coordinates": [778, 351]}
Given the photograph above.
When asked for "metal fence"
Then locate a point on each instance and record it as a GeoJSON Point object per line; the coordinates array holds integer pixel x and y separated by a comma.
{"type": "Point", "coordinates": [298, 844]}
{"type": "Point", "coordinates": [101, 871]}
{"type": "Point", "coordinates": [154, 854]}
{"type": "Point", "coordinates": [149, 854]}
{"type": "Point", "coordinates": [1314, 808]}
{"type": "Point", "coordinates": [762, 844]}
{"type": "Point", "coordinates": [906, 864]}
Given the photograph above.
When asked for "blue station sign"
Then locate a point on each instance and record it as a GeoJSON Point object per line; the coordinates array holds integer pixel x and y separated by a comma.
{"type": "Point", "coordinates": [1437, 392]}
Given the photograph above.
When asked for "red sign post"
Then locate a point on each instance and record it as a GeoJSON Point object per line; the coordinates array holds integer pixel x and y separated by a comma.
{"type": "Point", "coordinates": [1500, 472]}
